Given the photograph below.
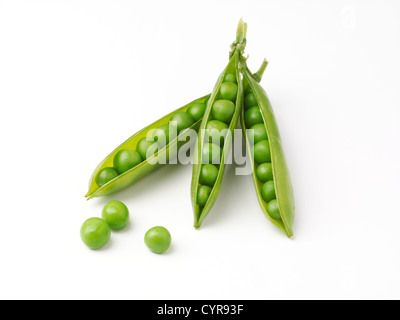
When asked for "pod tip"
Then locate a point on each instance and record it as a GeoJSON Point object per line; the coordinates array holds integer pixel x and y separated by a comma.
{"type": "Point", "coordinates": [290, 235]}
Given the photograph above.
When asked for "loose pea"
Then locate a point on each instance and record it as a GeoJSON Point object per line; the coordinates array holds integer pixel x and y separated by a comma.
{"type": "Point", "coordinates": [257, 133]}
{"type": "Point", "coordinates": [228, 91]}
{"type": "Point", "coordinates": [197, 110]}
{"type": "Point", "coordinates": [95, 233]}
{"type": "Point", "coordinates": [126, 159]}
{"type": "Point", "coordinates": [146, 148]}
{"type": "Point", "coordinates": [273, 209]}
{"type": "Point", "coordinates": [216, 131]}
{"type": "Point", "coordinates": [157, 239]}
{"type": "Point", "coordinates": [253, 116]}
{"type": "Point", "coordinates": [208, 174]}
{"type": "Point", "coordinates": [223, 110]}
{"type": "Point", "coordinates": [183, 119]}
{"type": "Point", "coordinates": [106, 175]}
{"type": "Point", "coordinates": [230, 77]}
{"type": "Point", "coordinates": [161, 135]}
{"type": "Point", "coordinates": [211, 153]}
{"type": "Point", "coordinates": [203, 193]}
{"type": "Point", "coordinates": [268, 191]}
{"type": "Point", "coordinates": [262, 152]}
{"type": "Point", "coordinates": [264, 172]}
{"type": "Point", "coordinates": [116, 214]}
{"type": "Point", "coordinates": [250, 100]}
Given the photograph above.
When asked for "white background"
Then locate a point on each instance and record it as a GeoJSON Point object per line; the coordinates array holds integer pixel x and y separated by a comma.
{"type": "Point", "coordinates": [79, 77]}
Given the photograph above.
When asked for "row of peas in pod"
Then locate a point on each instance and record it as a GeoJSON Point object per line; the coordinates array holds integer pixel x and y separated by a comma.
{"type": "Point", "coordinates": [257, 134]}
{"type": "Point", "coordinates": [127, 159]}
{"type": "Point", "coordinates": [216, 130]}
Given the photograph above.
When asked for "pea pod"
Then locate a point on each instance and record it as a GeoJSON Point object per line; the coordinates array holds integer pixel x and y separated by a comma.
{"type": "Point", "coordinates": [220, 120]}
{"type": "Point", "coordinates": [117, 181]}
{"type": "Point", "coordinates": [269, 169]}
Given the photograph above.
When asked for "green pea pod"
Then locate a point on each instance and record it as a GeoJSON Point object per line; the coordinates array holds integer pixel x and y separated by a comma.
{"type": "Point", "coordinates": [205, 186]}
{"type": "Point", "coordinates": [148, 165]}
{"type": "Point", "coordinates": [269, 169]}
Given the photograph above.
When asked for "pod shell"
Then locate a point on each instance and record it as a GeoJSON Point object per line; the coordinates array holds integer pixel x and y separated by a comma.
{"type": "Point", "coordinates": [283, 184]}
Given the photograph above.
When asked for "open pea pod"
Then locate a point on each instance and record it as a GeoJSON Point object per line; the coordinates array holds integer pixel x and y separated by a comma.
{"type": "Point", "coordinates": [216, 131]}
{"type": "Point", "coordinates": [146, 165]}
{"type": "Point", "coordinates": [269, 169]}
{"type": "Point", "coordinates": [209, 192]}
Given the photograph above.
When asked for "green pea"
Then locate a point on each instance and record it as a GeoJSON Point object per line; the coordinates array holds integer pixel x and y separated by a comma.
{"type": "Point", "coordinates": [230, 77]}
{"type": "Point", "coordinates": [95, 233]}
{"type": "Point", "coordinates": [126, 159]}
{"type": "Point", "coordinates": [146, 148]}
{"type": "Point", "coordinates": [264, 172]}
{"type": "Point", "coordinates": [157, 239]}
{"type": "Point", "coordinates": [268, 191]}
{"type": "Point", "coordinates": [228, 91]}
{"type": "Point", "coordinates": [208, 174]}
{"type": "Point", "coordinates": [197, 110]}
{"type": "Point", "coordinates": [161, 135]}
{"type": "Point", "coordinates": [257, 133]}
{"type": "Point", "coordinates": [262, 152]}
{"type": "Point", "coordinates": [105, 175]}
{"type": "Point", "coordinates": [223, 110]}
{"type": "Point", "coordinates": [273, 209]}
{"type": "Point", "coordinates": [183, 120]}
{"type": "Point", "coordinates": [253, 116]}
{"type": "Point", "coordinates": [216, 131]}
{"type": "Point", "coordinates": [211, 153]}
{"type": "Point", "coordinates": [203, 193]}
{"type": "Point", "coordinates": [247, 91]}
{"type": "Point", "coordinates": [250, 100]}
{"type": "Point", "coordinates": [116, 214]}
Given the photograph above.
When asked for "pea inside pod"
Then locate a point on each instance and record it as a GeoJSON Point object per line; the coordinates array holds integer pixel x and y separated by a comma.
{"type": "Point", "coordinates": [270, 172]}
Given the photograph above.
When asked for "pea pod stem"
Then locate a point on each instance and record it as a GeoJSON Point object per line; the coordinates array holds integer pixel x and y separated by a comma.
{"type": "Point", "coordinates": [260, 72]}
{"type": "Point", "coordinates": [240, 43]}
